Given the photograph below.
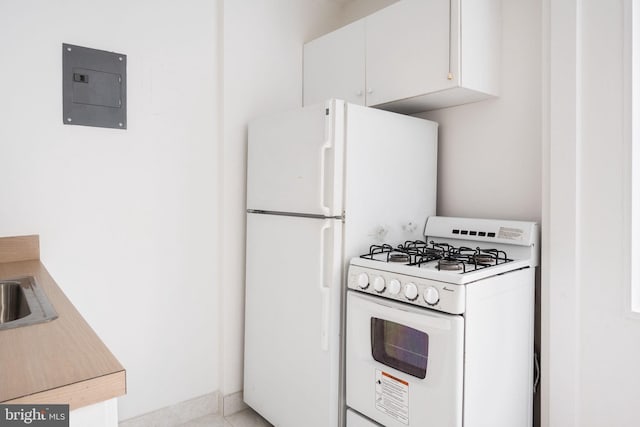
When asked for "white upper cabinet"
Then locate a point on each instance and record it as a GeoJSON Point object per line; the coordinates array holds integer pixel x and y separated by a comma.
{"type": "Point", "coordinates": [407, 50]}
{"type": "Point", "coordinates": [412, 56]}
{"type": "Point", "coordinates": [334, 66]}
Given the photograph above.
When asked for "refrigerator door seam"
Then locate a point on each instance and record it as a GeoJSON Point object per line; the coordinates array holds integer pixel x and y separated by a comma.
{"type": "Point", "coordinates": [295, 214]}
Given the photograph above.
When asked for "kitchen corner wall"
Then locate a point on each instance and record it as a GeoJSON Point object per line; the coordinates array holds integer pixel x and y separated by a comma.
{"type": "Point", "coordinates": [262, 74]}
{"type": "Point", "coordinates": [490, 159]}
{"type": "Point", "coordinates": [127, 219]}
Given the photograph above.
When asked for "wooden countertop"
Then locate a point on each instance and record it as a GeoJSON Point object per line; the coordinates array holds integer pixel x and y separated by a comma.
{"type": "Point", "coordinates": [61, 361]}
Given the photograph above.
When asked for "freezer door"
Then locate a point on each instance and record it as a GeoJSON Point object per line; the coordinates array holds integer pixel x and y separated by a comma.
{"type": "Point", "coordinates": [292, 315]}
{"type": "Point", "coordinates": [295, 161]}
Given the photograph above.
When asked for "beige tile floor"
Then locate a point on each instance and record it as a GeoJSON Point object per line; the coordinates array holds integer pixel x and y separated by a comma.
{"type": "Point", "coordinates": [246, 418]}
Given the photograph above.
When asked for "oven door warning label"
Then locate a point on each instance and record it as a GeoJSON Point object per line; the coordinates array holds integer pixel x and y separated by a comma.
{"type": "Point", "coordinates": [392, 396]}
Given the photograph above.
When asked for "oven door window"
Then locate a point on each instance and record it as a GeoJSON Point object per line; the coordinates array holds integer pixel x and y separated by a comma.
{"type": "Point", "coordinates": [400, 347]}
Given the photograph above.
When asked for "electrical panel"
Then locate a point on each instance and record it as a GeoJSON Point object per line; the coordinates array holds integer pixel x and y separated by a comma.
{"type": "Point", "coordinates": [94, 87]}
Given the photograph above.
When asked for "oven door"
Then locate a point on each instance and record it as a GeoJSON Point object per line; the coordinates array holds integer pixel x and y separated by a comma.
{"type": "Point", "coordinates": [356, 420]}
{"type": "Point", "coordinates": [404, 364]}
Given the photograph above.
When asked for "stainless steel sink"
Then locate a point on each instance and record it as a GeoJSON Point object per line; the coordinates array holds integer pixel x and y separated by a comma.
{"type": "Point", "coordinates": [23, 303]}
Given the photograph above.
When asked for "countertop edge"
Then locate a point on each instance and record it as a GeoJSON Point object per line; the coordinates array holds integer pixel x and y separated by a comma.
{"type": "Point", "coordinates": [82, 393]}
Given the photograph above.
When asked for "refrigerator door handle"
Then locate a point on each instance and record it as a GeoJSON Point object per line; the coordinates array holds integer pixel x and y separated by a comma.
{"type": "Point", "coordinates": [326, 266]}
{"type": "Point", "coordinates": [324, 173]}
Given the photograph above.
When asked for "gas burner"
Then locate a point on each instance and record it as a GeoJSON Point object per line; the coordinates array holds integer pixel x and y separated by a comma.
{"type": "Point", "coordinates": [398, 257]}
{"type": "Point", "coordinates": [484, 259]}
{"type": "Point", "coordinates": [450, 265]}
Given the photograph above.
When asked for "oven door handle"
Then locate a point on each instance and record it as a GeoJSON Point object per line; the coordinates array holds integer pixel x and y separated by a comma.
{"type": "Point", "coordinates": [326, 267]}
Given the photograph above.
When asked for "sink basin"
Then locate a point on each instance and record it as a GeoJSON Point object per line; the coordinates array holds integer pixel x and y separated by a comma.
{"type": "Point", "coordinates": [23, 303]}
{"type": "Point", "coordinates": [13, 302]}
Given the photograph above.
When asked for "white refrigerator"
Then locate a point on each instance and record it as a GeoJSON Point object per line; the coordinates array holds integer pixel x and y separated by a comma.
{"type": "Point", "coordinates": [324, 182]}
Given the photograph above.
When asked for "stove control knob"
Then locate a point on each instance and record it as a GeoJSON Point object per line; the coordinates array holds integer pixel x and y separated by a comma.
{"type": "Point", "coordinates": [431, 295]}
{"type": "Point", "coordinates": [394, 287]}
{"type": "Point", "coordinates": [411, 291]}
{"type": "Point", "coordinates": [363, 280]}
{"type": "Point", "coordinates": [378, 284]}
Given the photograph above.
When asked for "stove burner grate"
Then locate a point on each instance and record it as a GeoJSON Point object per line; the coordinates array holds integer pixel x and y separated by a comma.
{"type": "Point", "coordinates": [449, 258]}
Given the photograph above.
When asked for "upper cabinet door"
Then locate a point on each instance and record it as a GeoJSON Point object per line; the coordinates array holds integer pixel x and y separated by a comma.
{"type": "Point", "coordinates": [334, 66]}
{"type": "Point", "coordinates": [407, 50]}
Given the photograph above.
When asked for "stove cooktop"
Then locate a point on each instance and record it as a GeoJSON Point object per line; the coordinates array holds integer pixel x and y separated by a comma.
{"type": "Point", "coordinates": [459, 250]}
{"type": "Point", "coordinates": [439, 255]}
{"type": "Point", "coordinates": [456, 252]}
{"type": "Point", "coordinates": [439, 261]}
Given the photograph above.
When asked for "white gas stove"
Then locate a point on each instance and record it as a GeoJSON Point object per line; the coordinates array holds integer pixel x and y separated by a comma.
{"type": "Point", "coordinates": [441, 330]}
{"type": "Point", "coordinates": [456, 251]}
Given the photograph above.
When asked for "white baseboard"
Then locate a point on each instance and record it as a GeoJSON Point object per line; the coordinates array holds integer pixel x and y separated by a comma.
{"type": "Point", "coordinates": [232, 403]}
{"type": "Point", "coordinates": [180, 413]}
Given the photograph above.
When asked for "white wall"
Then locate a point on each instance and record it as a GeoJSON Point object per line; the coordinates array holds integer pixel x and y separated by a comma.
{"type": "Point", "coordinates": [356, 9]}
{"type": "Point", "coordinates": [592, 342]}
{"type": "Point", "coordinates": [608, 335]}
{"type": "Point", "coordinates": [489, 164]}
{"type": "Point", "coordinates": [262, 74]}
{"type": "Point", "coordinates": [127, 219]}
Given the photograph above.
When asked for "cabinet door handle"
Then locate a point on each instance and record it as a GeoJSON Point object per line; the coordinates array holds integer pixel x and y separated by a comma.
{"type": "Point", "coordinates": [359, 93]}
{"type": "Point", "coordinates": [369, 91]}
